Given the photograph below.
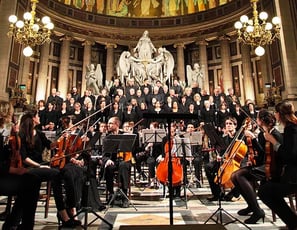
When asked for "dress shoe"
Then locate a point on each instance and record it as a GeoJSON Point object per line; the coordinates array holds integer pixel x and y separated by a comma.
{"type": "Point", "coordinates": [245, 211]}
{"type": "Point", "coordinates": [101, 208]}
{"type": "Point", "coordinates": [212, 198]}
{"type": "Point", "coordinates": [125, 204]}
{"type": "Point", "coordinates": [71, 223]}
{"type": "Point", "coordinates": [255, 217]}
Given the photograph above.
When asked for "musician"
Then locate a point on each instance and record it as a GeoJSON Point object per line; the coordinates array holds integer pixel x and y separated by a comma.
{"type": "Point", "coordinates": [14, 181]}
{"type": "Point", "coordinates": [152, 151]}
{"type": "Point", "coordinates": [111, 163]}
{"type": "Point", "coordinates": [165, 156]}
{"type": "Point", "coordinates": [212, 167]}
{"type": "Point", "coordinates": [272, 193]}
{"type": "Point", "coordinates": [244, 178]}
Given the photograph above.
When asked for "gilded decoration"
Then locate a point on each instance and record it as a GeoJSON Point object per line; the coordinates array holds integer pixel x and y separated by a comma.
{"type": "Point", "coordinates": [144, 8]}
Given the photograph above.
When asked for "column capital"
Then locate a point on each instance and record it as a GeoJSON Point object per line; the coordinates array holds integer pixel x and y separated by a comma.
{"type": "Point", "coordinates": [224, 37]}
{"type": "Point", "coordinates": [88, 43]}
{"type": "Point", "coordinates": [201, 43]}
{"type": "Point", "coordinates": [110, 45]}
{"type": "Point", "coordinates": [179, 44]}
{"type": "Point", "coordinates": [66, 38]}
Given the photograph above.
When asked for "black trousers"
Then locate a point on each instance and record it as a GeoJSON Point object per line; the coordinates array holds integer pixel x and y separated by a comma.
{"type": "Point", "coordinates": [272, 194]}
{"type": "Point", "coordinates": [26, 187]}
{"type": "Point", "coordinates": [123, 168]}
{"type": "Point", "coordinates": [211, 169]}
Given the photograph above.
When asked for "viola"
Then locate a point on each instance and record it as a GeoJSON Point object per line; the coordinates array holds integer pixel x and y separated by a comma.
{"type": "Point", "coordinates": [251, 151]}
{"type": "Point", "coordinates": [15, 144]}
{"type": "Point", "coordinates": [177, 169]}
{"type": "Point", "coordinates": [268, 160]}
{"type": "Point", "coordinates": [67, 147]}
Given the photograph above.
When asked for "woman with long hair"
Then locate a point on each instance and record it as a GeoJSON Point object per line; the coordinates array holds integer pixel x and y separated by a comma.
{"type": "Point", "coordinates": [33, 143]}
{"type": "Point", "coordinates": [272, 193]}
{"type": "Point", "coordinates": [244, 178]}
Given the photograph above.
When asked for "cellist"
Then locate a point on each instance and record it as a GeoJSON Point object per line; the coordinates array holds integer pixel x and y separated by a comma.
{"type": "Point", "coordinates": [244, 177]}
{"type": "Point", "coordinates": [177, 168]}
{"type": "Point", "coordinates": [212, 167]}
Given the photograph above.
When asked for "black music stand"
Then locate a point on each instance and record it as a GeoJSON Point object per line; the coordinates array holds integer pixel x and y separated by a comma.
{"type": "Point", "coordinates": [114, 144]}
{"type": "Point", "coordinates": [169, 117]}
{"type": "Point", "coordinates": [86, 208]}
{"type": "Point", "coordinates": [153, 136]}
{"type": "Point", "coordinates": [184, 150]}
{"type": "Point", "coordinates": [196, 147]}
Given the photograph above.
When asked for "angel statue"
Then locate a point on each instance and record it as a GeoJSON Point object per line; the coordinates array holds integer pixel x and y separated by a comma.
{"type": "Point", "coordinates": [195, 75]}
{"type": "Point", "coordinates": [94, 78]}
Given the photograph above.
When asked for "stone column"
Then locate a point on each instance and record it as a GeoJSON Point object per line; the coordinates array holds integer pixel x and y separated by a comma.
{"type": "Point", "coordinates": [41, 88]}
{"type": "Point", "coordinates": [64, 66]}
{"type": "Point", "coordinates": [110, 61]}
{"type": "Point", "coordinates": [7, 8]}
{"type": "Point", "coordinates": [248, 84]}
{"type": "Point", "coordinates": [180, 60]}
{"type": "Point", "coordinates": [226, 66]}
{"type": "Point", "coordinates": [204, 62]}
{"type": "Point", "coordinates": [86, 61]}
{"type": "Point", "coordinates": [287, 43]}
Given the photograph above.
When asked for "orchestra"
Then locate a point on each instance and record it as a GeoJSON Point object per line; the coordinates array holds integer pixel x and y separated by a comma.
{"type": "Point", "coordinates": [82, 146]}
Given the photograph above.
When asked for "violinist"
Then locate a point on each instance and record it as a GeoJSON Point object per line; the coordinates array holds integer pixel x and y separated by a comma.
{"type": "Point", "coordinates": [244, 178]}
{"type": "Point", "coordinates": [112, 163]}
{"type": "Point", "coordinates": [15, 181]}
{"type": "Point", "coordinates": [212, 167]}
{"type": "Point", "coordinates": [33, 143]}
{"type": "Point", "coordinates": [272, 192]}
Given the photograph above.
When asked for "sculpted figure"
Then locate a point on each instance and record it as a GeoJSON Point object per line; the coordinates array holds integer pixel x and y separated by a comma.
{"type": "Point", "coordinates": [145, 47]}
{"type": "Point", "coordinates": [94, 78]}
{"type": "Point", "coordinates": [195, 75]}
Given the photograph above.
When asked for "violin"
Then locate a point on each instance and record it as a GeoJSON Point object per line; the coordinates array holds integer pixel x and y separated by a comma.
{"type": "Point", "coordinates": [15, 144]}
{"type": "Point", "coordinates": [67, 147]}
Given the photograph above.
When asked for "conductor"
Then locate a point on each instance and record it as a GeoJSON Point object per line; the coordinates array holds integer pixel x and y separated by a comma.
{"type": "Point", "coordinates": [111, 163]}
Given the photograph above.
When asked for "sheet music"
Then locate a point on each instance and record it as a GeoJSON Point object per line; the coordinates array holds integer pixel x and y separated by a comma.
{"type": "Point", "coordinates": [51, 135]}
{"type": "Point", "coordinates": [195, 138]}
{"type": "Point", "coordinates": [153, 136]}
{"type": "Point", "coordinates": [182, 146]}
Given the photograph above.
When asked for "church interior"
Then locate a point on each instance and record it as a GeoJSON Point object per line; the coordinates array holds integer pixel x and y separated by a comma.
{"type": "Point", "coordinates": [204, 42]}
{"type": "Point", "coordinates": [203, 33]}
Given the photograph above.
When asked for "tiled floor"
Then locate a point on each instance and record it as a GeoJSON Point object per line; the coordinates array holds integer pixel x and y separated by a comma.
{"type": "Point", "coordinates": [151, 208]}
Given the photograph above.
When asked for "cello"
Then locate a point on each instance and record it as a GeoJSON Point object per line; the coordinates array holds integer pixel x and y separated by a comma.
{"type": "Point", "coordinates": [177, 169]}
{"type": "Point", "coordinates": [234, 154]}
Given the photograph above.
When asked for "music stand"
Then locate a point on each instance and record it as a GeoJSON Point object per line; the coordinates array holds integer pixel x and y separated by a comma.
{"type": "Point", "coordinates": [153, 136]}
{"type": "Point", "coordinates": [196, 141]}
{"type": "Point", "coordinates": [118, 143]}
{"type": "Point", "coordinates": [88, 208]}
{"type": "Point", "coordinates": [182, 147]}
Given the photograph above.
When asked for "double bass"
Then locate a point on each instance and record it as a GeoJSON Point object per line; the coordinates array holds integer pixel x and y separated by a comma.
{"type": "Point", "coordinates": [177, 169]}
